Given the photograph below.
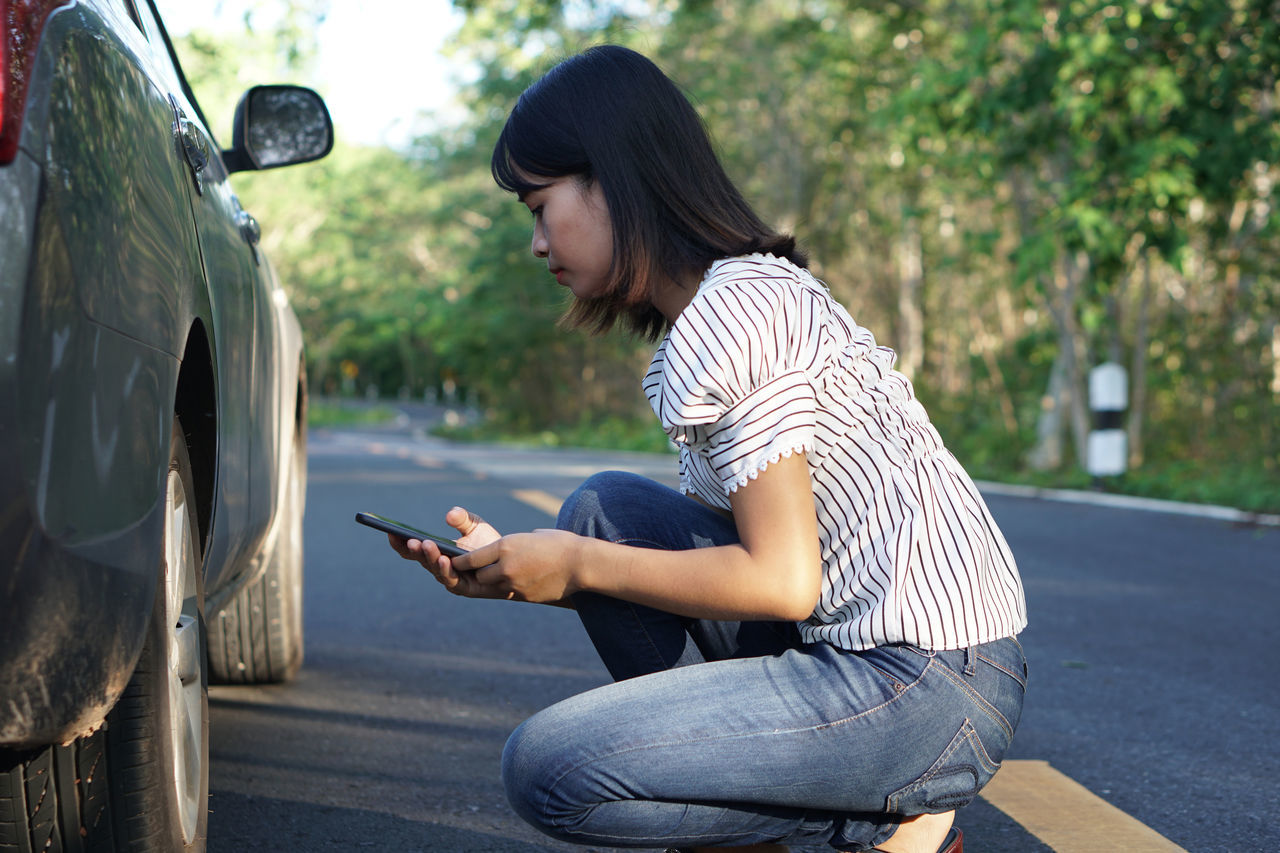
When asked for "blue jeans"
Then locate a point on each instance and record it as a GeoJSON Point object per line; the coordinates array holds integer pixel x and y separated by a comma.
{"type": "Point", "coordinates": [725, 733]}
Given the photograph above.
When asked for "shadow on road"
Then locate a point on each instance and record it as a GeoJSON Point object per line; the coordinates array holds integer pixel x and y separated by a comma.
{"type": "Point", "coordinates": [234, 818]}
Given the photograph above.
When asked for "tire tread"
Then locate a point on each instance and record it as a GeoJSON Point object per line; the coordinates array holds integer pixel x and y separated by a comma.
{"type": "Point", "coordinates": [252, 640]}
{"type": "Point", "coordinates": [57, 799]}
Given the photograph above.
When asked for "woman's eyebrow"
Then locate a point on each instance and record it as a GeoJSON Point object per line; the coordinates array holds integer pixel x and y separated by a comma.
{"type": "Point", "coordinates": [523, 195]}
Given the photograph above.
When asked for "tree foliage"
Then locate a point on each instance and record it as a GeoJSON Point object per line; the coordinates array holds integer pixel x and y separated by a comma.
{"type": "Point", "coordinates": [1009, 192]}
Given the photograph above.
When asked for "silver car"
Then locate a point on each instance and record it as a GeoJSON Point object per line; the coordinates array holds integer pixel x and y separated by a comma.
{"type": "Point", "coordinates": [152, 426]}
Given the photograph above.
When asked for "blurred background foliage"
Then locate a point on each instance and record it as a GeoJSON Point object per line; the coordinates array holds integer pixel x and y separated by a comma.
{"type": "Point", "coordinates": [1008, 192]}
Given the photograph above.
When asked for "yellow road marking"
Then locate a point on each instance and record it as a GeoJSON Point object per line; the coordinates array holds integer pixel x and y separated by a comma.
{"type": "Point", "coordinates": [1065, 815]}
{"type": "Point", "coordinates": [538, 499]}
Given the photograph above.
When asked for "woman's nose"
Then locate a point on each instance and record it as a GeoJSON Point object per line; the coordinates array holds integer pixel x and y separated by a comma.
{"type": "Point", "coordinates": [539, 242]}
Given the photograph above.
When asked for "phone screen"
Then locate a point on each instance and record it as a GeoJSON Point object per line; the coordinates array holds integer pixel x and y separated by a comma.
{"type": "Point", "coordinates": [406, 531]}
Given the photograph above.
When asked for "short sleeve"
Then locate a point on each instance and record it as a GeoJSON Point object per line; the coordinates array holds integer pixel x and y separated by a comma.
{"type": "Point", "coordinates": [730, 384]}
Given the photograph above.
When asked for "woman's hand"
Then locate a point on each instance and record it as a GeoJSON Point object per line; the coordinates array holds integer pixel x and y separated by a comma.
{"type": "Point", "coordinates": [523, 567]}
{"type": "Point", "coordinates": [536, 567]}
{"type": "Point", "coordinates": [474, 532]}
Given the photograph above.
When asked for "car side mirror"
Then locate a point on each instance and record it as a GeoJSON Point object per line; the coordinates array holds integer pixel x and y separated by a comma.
{"type": "Point", "coordinates": [278, 126]}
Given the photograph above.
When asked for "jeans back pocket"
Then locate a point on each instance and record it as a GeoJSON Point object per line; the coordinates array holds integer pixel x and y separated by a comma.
{"type": "Point", "coordinates": [950, 782]}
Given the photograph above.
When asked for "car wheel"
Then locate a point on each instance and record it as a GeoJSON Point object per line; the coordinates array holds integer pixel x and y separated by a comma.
{"type": "Point", "coordinates": [257, 637]}
{"type": "Point", "coordinates": [141, 783]}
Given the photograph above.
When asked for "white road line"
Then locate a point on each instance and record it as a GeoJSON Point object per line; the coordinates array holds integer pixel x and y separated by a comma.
{"type": "Point", "coordinates": [1221, 513]}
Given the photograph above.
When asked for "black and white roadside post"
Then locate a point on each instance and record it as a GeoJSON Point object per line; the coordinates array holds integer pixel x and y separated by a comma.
{"type": "Point", "coordinates": [1108, 399]}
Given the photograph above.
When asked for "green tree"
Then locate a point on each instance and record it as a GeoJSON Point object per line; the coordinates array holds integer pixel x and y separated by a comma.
{"type": "Point", "coordinates": [1007, 192]}
{"type": "Point", "coordinates": [1131, 135]}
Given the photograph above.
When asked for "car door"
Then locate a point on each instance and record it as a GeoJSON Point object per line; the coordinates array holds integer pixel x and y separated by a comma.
{"type": "Point", "coordinates": [237, 285]}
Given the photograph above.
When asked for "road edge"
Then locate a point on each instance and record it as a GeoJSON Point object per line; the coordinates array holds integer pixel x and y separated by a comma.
{"type": "Point", "coordinates": [1221, 513]}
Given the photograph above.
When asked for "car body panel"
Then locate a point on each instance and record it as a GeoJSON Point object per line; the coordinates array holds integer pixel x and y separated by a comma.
{"type": "Point", "coordinates": [114, 264]}
{"type": "Point", "coordinates": [237, 293]}
{"type": "Point", "coordinates": [117, 180]}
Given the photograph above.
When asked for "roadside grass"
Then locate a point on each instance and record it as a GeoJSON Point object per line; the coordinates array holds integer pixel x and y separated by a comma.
{"type": "Point", "coordinates": [1222, 482]}
{"type": "Point", "coordinates": [611, 433]}
{"type": "Point", "coordinates": [1252, 488]}
{"type": "Point", "coordinates": [1239, 487]}
{"type": "Point", "coordinates": [338, 414]}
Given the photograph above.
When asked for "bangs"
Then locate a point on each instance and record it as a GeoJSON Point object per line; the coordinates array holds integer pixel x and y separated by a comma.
{"type": "Point", "coordinates": [532, 152]}
{"type": "Point", "coordinates": [512, 173]}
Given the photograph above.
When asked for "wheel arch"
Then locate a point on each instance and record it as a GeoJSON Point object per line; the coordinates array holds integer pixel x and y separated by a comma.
{"type": "Point", "coordinates": [196, 405]}
{"type": "Point", "coordinates": [302, 402]}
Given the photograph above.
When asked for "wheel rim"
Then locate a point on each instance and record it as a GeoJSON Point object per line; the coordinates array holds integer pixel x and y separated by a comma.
{"type": "Point", "coordinates": [184, 660]}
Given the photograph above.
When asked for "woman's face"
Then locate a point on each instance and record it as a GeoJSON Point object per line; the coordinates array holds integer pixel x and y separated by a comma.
{"type": "Point", "coordinates": [572, 230]}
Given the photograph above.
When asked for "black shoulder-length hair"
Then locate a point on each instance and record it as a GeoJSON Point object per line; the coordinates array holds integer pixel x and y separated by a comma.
{"type": "Point", "coordinates": [611, 116]}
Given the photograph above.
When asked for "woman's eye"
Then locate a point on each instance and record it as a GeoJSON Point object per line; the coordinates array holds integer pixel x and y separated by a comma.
{"type": "Point", "coordinates": [536, 212]}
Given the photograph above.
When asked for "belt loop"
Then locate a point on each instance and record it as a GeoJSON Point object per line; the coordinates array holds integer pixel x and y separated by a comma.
{"type": "Point", "coordinates": [970, 667]}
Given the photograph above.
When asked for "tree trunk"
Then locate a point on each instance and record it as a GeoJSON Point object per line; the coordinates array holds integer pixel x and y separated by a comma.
{"type": "Point", "coordinates": [998, 386]}
{"type": "Point", "coordinates": [1065, 396]}
{"type": "Point", "coordinates": [1071, 340]}
{"type": "Point", "coordinates": [910, 342]}
{"type": "Point", "coordinates": [1061, 396]}
{"type": "Point", "coordinates": [1046, 455]}
{"type": "Point", "coordinates": [409, 359]}
{"type": "Point", "coordinates": [1138, 369]}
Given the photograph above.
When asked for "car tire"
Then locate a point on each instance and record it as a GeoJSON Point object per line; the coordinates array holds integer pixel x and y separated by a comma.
{"type": "Point", "coordinates": [141, 782]}
{"type": "Point", "coordinates": [257, 638]}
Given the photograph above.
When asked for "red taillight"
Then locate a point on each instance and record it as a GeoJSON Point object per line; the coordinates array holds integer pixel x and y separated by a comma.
{"type": "Point", "coordinates": [20, 24]}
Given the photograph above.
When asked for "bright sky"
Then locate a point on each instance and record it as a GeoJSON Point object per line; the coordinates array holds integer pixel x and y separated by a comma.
{"type": "Point", "coordinates": [380, 61]}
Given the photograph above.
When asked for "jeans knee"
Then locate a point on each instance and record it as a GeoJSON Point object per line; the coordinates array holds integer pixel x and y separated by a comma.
{"type": "Point", "coordinates": [523, 778]}
{"type": "Point", "coordinates": [586, 511]}
{"type": "Point", "coordinates": [542, 783]}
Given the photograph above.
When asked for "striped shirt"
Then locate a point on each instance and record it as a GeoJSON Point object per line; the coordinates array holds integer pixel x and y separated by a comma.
{"type": "Point", "coordinates": [764, 363]}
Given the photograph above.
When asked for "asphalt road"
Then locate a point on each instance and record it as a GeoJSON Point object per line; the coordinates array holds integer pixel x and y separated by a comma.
{"type": "Point", "coordinates": [1153, 649]}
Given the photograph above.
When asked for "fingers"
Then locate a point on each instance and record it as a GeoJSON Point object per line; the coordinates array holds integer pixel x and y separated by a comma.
{"type": "Point", "coordinates": [458, 575]}
{"type": "Point", "coordinates": [475, 574]}
{"type": "Point", "coordinates": [400, 546]}
{"type": "Point", "coordinates": [428, 555]}
{"type": "Point", "coordinates": [473, 531]}
{"type": "Point", "coordinates": [420, 551]}
{"type": "Point", "coordinates": [463, 520]}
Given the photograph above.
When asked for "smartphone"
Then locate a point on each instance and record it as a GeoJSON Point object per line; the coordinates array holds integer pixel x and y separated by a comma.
{"type": "Point", "coordinates": [447, 546]}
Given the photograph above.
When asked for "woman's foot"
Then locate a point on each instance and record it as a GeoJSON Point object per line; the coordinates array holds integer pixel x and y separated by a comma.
{"type": "Point", "coordinates": [920, 834]}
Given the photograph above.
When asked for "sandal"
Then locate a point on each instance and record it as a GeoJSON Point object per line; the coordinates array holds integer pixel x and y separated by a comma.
{"type": "Point", "coordinates": [953, 843]}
